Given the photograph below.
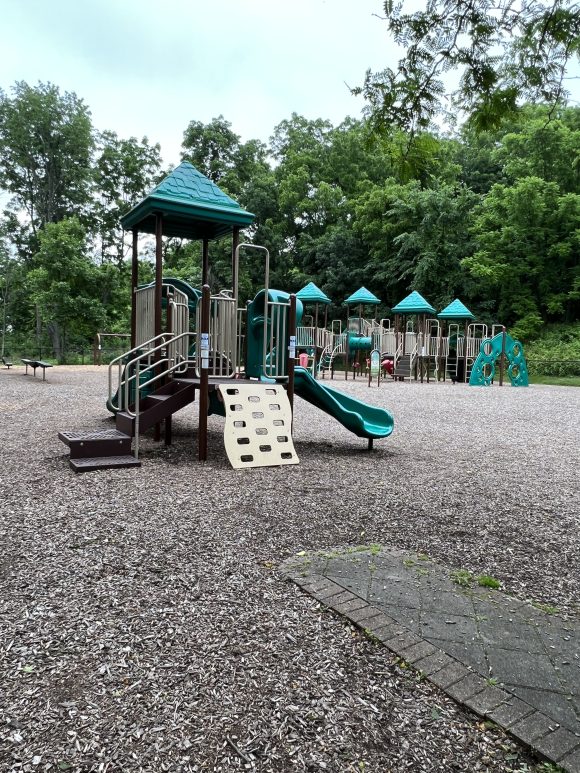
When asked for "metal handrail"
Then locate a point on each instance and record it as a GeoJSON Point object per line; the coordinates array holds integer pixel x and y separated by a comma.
{"type": "Point", "coordinates": [135, 415]}
{"type": "Point", "coordinates": [121, 357]}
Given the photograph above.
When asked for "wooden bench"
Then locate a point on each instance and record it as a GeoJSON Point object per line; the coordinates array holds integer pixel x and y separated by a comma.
{"type": "Point", "coordinates": [34, 364]}
{"type": "Point", "coordinates": [6, 363]}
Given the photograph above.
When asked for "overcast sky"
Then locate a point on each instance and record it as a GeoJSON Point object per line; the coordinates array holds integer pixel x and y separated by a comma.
{"type": "Point", "coordinates": [148, 68]}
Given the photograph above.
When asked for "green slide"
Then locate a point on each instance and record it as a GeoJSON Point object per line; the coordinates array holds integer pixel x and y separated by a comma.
{"type": "Point", "coordinates": [364, 420]}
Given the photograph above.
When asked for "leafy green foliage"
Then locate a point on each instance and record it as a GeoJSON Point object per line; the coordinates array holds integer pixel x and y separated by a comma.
{"type": "Point", "coordinates": [46, 140]}
{"type": "Point", "coordinates": [491, 217]}
{"type": "Point", "coordinates": [64, 284]}
{"type": "Point", "coordinates": [504, 53]}
{"type": "Point", "coordinates": [125, 172]}
{"type": "Point", "coordinates": [556, 352]}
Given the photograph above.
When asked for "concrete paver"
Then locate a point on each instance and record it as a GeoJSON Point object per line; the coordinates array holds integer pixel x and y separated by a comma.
{"type": "Point", "coordinates": [502, 657]}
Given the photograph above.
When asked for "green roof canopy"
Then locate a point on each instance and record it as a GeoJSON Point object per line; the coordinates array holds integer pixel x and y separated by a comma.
{"type": "Point", "coordinates": [312, 294]}
{"type": "Point", "coordinates": [456, 310]}
{"type": "Point", "coordinates": [192, 206]}
{"type": "Point", "coordinates": [362, 297]}
{"type": "Point", "coordinates": [414, 304]}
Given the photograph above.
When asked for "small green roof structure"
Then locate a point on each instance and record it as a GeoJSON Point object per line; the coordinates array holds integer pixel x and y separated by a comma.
{"type": "Point", "coordinates": [192, 207]}
{"type": "Point", "coordinates": [455, 310]}
{"type": "Point", "coordinates": [362, 297]}
{"type": "Point", "coordinates": [310, 293]}
{"type": "Point", "coordinates": [414, 304]}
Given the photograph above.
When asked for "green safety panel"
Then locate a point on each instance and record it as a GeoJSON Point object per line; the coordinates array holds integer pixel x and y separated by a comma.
{"type": "Point", "coordinates": [255, 330]}
{"type": "Point", "coordinates": [483, 370]}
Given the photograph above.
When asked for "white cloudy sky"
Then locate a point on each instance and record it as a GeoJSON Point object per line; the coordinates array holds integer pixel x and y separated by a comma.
{"type": "Point", "coordinates": [147, 68]}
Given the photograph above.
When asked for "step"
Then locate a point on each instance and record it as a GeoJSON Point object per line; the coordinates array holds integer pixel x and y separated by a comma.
{"type": "Point", "coordinates": [88, 464]}
{"type": "Point", "coordinates": [159, 407]}
{"type": "Point", "coordinates": [93, 443]}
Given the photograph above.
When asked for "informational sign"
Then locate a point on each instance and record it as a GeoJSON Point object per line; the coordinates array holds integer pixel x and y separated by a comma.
{"type": "Point", "coordinates": [292, 348]}
{"type": "Point", "coordinates": [375, 363]}
{"type": "Point", "coordinates": [204, 350]}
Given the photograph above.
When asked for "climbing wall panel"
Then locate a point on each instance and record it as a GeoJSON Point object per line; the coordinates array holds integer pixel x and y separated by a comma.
{"type": "Point", "coordinates": [258, 430]}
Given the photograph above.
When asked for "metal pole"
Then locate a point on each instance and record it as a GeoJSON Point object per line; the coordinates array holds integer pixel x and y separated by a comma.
{"type": "Point", "coordinates": [501, 361]}
{"type": "Point", "coordinates": [158, 271]}
{"type": "Point", "coordinates": [204, 261]}
{"type": "Point", "coordinates": [235, 243]}
{"type": "Point", "coordinates": [134, 285]}
{"type": "Point", "coordinates": [204, 374]}
{"type": "Point", "coordinates": [158, 296]}
{"type": "Point", "coordinates": [465, 352]}
{"type": "Point", "coordinates": [291, 350]}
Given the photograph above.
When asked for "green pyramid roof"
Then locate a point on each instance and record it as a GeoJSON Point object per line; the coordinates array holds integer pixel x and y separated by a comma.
{"type": "Point", "coordinates": [362, 297]}
{"type": "Point", "coordinates": [312, 294]}
{"type": "Point", "coordinates": [192, 206]}
{"type": "Point", "coordinates": [456, 310]}
{"type": "Point", "coordinates": [414, 304]}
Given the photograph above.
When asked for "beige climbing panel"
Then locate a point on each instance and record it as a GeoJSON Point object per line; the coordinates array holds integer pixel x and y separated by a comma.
{"type": "Point", "coordinates": [258, 431]}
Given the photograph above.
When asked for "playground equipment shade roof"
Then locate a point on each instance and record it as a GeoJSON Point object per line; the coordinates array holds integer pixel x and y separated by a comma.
{"type": "Point", "coordinates": [414, 304]}
{"type": "Point", "coordinates": [362, 297]}
{"type": "Point", "coordinates": [192, 207]}
{"type": "Point", "coordinates": [456, 310]}
{"type": "Point", "coordinates": [310, 293]}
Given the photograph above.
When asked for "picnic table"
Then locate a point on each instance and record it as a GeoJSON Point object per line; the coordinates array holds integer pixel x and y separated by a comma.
{"type": "Point", "coordinates": [34, 364]}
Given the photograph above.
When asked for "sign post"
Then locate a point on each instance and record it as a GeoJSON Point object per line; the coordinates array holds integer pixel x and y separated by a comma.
{"type": "Point", "coordinates": [375, 366]}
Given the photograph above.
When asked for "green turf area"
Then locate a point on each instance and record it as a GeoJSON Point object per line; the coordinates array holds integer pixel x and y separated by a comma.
{"type": "Point", "coordinates": [556, 380]}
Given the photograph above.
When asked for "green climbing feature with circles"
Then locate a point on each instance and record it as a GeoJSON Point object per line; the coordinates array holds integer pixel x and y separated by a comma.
{"type": "Point", "coordinates": [483, 371]}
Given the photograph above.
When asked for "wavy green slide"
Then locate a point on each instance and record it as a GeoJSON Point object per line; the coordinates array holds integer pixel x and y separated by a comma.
{"type": "Point", "coordinates": [363, 420]}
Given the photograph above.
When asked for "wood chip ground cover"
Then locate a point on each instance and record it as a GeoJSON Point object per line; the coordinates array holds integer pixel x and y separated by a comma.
{"type": "Point", "coordinates": [143, 625]}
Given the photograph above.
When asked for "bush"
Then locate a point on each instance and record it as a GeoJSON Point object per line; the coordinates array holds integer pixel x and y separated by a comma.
{"type": "Point", "coordinates": [556, 353]}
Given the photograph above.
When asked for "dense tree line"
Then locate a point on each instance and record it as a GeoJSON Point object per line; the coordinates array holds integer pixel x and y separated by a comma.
{"type": "Point", "coordinates": [492, 216]}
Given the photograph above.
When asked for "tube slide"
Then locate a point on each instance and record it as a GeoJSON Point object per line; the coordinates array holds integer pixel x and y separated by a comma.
{"type": "Point", "coordinates": [363, 420]}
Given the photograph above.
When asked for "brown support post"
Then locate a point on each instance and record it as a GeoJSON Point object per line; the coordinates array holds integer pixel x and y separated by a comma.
{"type": "Point", "coordinates": [205, 261]}
{"type": "Point", "coordinates": [235, 243]}
{"type": "Point", "coordinates": [429, 352]}
{"type": "Point", "coordinates": [158, 292]}
{"type": "Point", "coordinates": [315, 355]}
{"type": "Point", "coordinates": [134, 285]}
{"type": "Point", "coordinates": [291, 350]}
{"type": "Point", "coordinates": [169, 326]}
{"type": "Point", "coordinates": [465, 352]}
{"type": "Point", "coordinates": [158, 271]}
{"type": "Point", "coordinates": [502, 357]}
{"type": "Point", "coordinates": [204, 374]}
{"type": "Point", "coordinates": [442, 334]}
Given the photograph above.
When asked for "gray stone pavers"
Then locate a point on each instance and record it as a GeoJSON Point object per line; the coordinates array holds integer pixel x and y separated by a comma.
{"type": "Point", "coordinates": [501, 657]}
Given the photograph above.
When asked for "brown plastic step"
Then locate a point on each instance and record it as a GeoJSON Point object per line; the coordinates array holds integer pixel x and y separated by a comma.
{"type": "Point", "coordinates": [157, 407]}
{"type": "Point", "coordinates": [94, 443]}
{"type": "Point", "coordinates": [89, 464]}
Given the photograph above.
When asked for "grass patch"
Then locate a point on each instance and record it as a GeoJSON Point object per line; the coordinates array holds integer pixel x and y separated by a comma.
{"type": "Point", "coordinates": [572, 381]}
{"type": "Point", "coordinates": [547, 608]}
{"type": "Point", "coordinates": [462, 577]}
{"type": "Point", "coordinates": [486, 581]}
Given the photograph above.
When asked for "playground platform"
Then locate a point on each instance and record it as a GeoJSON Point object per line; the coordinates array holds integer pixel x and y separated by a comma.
{"type": "Point", "coordinates": [506, 660]}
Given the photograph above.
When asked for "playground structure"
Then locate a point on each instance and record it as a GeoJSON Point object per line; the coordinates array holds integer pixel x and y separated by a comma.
{"type": "Point", "coordinates": [239, 361]}
{"type": "Point", "coordinates": [420, 343]}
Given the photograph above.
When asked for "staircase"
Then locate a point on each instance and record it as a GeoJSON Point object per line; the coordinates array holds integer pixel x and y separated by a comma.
{"type": "Point", "coordinates": [325, 362]}
{"type": "Point", "coordinates": [403, 367]}
{"type": "Point", "coordinates": [106, 449]}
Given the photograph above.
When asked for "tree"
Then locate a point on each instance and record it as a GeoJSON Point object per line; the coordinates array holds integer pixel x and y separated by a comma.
{"type": "Point", "coordinates": [527, 253]}
{"type": "Point", "coordinates": [125, 171]}
{"type": "Point", "coordinates": [504, 52]}
{"type": "Point", "coordinates": [416, 238]}
{"type": "Point", "coordinates": [45, 142]}
{"type": "Point", "coordinates": [66, 285]}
